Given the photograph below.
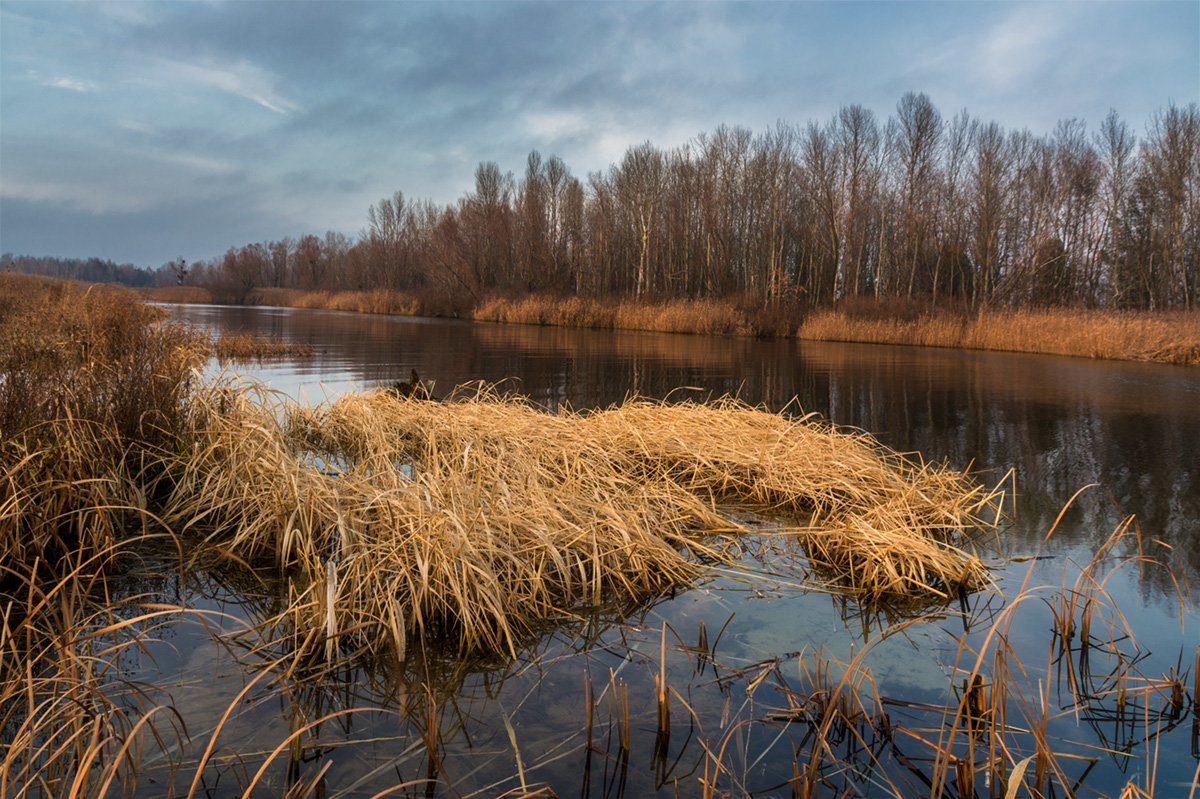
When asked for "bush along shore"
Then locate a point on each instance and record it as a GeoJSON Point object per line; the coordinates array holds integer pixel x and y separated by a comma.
{"type": "Point", "coordinates": [1156, 336]}
{"type": "Point", "coordinates": [399, 529]}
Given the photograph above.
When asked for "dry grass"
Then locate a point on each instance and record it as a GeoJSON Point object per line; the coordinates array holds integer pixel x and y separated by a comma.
{"type": "Point", "coordinates": [709, 316]}
{"type": "Point", "coordinates": [231, 346]}
{"type": "Point", "coordinates": [1165, 337]}
{"type": "Point", "coordinates": [375, 301]}
{"type": "Point", "coordinates": [1010, 724]}
{"type": "Point", "coordinates": [181, 295]}
{"type": "Point", "coordinates": [90, 382]}
{"type": "Point", "coordinates": [71, 725]}
{"type": "Point", "coordinates": [483, 517]}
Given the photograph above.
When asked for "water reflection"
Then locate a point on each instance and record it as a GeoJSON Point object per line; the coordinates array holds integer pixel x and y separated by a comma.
{"type": "Point", "coordinates": [1059, 423]}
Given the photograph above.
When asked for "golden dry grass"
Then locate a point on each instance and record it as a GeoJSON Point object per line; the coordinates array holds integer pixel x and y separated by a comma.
{"type": "Point", "coordinates": [1165, 337]}
{"type": "Point", "coordinates": [484, 517]}
{"type": "Point", "coordinates": [231, 346]}
{"type": "Point", "coordinates": [374, 301]}
{"type": "Point", "coordinates": [90, 383]}
{"type": "Point", "coordinates": [181, 295]}
{"type": "Point", "coordinates": [705, 316]}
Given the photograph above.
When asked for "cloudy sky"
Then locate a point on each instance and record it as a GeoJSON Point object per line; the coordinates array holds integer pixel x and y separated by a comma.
{"type": "Point", "coordinates": [142, 132]}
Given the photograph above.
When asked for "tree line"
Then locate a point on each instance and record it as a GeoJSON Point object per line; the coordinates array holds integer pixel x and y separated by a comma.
{"type": "Point", "coordinates": [89, 270]}
{"type": "Point", "coordinates": [917, 205]}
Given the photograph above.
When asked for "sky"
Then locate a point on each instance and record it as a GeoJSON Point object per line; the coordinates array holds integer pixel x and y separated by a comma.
{"type": "Point", "coordinates": [144, 132]}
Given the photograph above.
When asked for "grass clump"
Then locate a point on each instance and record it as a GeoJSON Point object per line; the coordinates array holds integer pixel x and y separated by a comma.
{"type": "Point", "coordinates": [231, 346]}
{"type": "Point", "coordinates": [91, 381]}
{"type": "Point", "coordinates": [93, 387]}
{"type": "Point", "coordinates": [483, 517]}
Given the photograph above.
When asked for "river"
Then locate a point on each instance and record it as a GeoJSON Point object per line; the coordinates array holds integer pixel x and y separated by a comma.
{"type": "Point", "coordinates": [1126, 434]}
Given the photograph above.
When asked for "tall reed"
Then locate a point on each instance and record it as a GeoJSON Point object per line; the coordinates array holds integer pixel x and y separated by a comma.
{"type": "Point", "coordinates": [91, 382]}
{"type": "Point", "coordinates": [1166, 337]}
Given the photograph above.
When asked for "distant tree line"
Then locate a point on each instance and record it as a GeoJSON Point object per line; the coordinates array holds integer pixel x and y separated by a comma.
{"type": "Point", "coordinates": [89, 270]}
{"type": "Point", "coordinates": [917, 205]}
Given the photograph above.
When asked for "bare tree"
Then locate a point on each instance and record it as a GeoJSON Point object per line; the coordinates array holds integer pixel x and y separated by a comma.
{"type": "Point", "coordinates": [639, 183]}
{"type": "Point", "coordinates": [1116, 142]}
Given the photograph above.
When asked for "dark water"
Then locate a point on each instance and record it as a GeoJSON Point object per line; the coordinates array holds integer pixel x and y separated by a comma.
{"type": "Point", "coordinates": [1049, 426]}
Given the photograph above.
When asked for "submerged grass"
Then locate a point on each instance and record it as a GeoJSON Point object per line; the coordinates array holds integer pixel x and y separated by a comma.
{"type": "Point", "coordinates": [481, 517]}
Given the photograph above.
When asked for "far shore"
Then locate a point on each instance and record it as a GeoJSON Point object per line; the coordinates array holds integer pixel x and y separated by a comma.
{"type": "Point", "coordinates": [1154, 336]}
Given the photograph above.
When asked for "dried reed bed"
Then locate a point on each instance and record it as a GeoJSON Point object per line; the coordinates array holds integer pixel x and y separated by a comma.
{"type": "Point", "coordinates": [90, 383]}
{"type": "Point", "coordinates": [877, 522]}
{"type": "Point", "coordinates": [179, 295]}
{"type": "Point", "coordinates": [705, 316]}
{"type": "Point", "coordinates": [1164, 337]}
{"type": "Point", "coordinates": [374, 301]}
{"type": "Point", "coordinates": [483, 517]}
{"type": "Point", "coordinates": [231, 346]}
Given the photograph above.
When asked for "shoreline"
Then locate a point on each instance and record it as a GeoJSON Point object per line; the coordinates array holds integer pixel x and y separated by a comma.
{"type": "Point", "coordinates": [1169, 337]}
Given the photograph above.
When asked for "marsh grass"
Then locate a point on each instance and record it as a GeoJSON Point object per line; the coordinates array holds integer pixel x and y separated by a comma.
{"type": "Point", "coordinates": [91, 383]}
{"type": "Point", "coordinates": [1017, 719]}
{"type": "Point", "coordinates": [481, 517]}
{"type": "Point", "coordinates": [71, 724]}
{"type": "Point", "coordinates": [705, 316]}
{"type": "Point", "coordinates": [243, 346]}
{"type": "Point", "coordinates": [1163, 337]}
{"type": "Point", "coordinates": [399, 532]}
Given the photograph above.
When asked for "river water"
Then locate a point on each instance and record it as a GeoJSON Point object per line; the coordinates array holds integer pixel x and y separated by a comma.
{"type": "Point", "coordinates": [1127, 434]}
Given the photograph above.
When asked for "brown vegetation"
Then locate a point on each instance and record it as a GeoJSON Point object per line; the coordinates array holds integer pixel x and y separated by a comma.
{"type": "Point", "coordinates": [179, 295]}
{"type": "Point", "coordinates": [90, 383]}
{"type": "Point", "coordinates": [247, 346]}
{"type": "Point", "coordinates": [712, 317]}
{"type": "Point", "coordinates": [483, 517]}
{"type": "Point", "coordinates": [1163, 337]}
{"type": "Point", "coordinates": [476, 520]}
{"type": "Point", "coordinates": [993, 732]}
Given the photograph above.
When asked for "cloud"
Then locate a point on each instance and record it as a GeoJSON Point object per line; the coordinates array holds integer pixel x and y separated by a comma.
{"type": "Point", "coordinates": [72, 84]}
{"type": "Point", "coordinates": [241, 79]}
{"type": "Point", "coordinates": [76, 197]}
{"type": "Point", "coordinates": [309, 111]}
{"type": "Point", "coordinates": [1021, 47]}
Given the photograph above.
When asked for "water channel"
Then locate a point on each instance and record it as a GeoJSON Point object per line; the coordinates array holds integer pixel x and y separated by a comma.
{"type": "Point", "coordinates": [1127, 434]}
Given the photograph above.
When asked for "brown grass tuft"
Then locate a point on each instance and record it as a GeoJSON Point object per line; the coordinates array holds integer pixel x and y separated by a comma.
{"type": "Point", "coordinates": [247, 346]}
{"type": "Point", "coordinates": [483, 517]}
{"type": "Point", "coordinates": [90, 382]}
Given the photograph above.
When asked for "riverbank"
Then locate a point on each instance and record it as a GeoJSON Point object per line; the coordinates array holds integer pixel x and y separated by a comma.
{"type": "Point", "coordinates": [1161, 337]}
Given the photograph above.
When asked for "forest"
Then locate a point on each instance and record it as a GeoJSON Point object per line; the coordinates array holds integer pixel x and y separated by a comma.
{"type": "Point", "coordinates": [920, 205]}
{"type": "Point", "coordinates": [88, 270]}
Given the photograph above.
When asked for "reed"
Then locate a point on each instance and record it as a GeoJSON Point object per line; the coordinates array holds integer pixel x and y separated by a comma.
{"type": "Point", "coordinates": [482, 517]}
{"type": "Point", "coordinates": [179, 295]}
{"type": "Point", "coordinates": [71, 725]}
{"type": "Point", "coordinates": [704, 316]}
{"type": "Point", "coordinates": [91, 383]}
{"type": "Point", "coordinates": [231, 346]}
{"type": "Point", "coordinates": [1164, 337]}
